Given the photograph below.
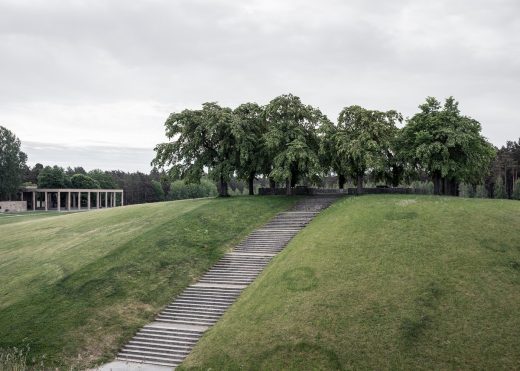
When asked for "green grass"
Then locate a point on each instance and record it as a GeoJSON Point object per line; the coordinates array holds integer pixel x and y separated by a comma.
{"type": "Point", "coordinates": [7, 218]}
{"type": "Point", "coordinates": [383, 282]}
{"type": "Point", "coordinates": [73, 288]}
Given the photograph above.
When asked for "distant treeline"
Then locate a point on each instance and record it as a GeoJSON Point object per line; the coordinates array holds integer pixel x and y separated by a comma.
{"type": "Point", "coordinates": [138, 187]}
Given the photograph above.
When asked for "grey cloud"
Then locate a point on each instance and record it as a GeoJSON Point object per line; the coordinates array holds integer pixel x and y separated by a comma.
{"type": "Point", "coordinates": [381, 54]}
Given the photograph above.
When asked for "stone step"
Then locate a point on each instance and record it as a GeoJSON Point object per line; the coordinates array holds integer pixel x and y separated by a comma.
{"type": "Point", "coordinates": [186, 322]}
{"type": "Point", "coordinates": [155, 340]}
{"type": "Point", "coordinates": [170, 349]}
{"type": "Point", "coordinates": [151, 361]}
{"type": "Point", "coordinates": [189, 316]}
{"type": "Point", "coordinates": [201, 305]}
{"type": "Point", "coordinates": [143, 355]}
{"type": "Point", "coordinates": [157, 329]}
{"type": "Point", "coordinates": [182, 322]}
{"type": "Point", "coordinates": [173, 335]}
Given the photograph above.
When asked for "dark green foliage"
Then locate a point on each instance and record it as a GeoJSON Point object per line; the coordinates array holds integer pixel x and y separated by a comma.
{"type": "Point", "coordinates": [158, 190]}
{"type": "Point", "coordinates": [292, 140]}
{"type": "Point", "coordinates": [446, 145]}
{"type": "Point", "coordinates": [103, 178]}
{"type": "Point", "coordinates": [249, 129]}
{"type": "Point", "coordinates": [53, 177]}
{"type": "Point", "coordinates": [363, 140]}
{"type": "Point", "coordinates": [180, 190]}
{"type": "Point", "coordinates": [200, 139]}
{"type": "Point", "coordinates": [12, 163]}
{"type": "Point", "coordinates": [83, 181]}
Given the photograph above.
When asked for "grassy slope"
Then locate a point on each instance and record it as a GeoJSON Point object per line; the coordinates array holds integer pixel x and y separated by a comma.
{"type": "Point", "coordinates": [383, 282]}
{"type": "Point", "coordinates": [74, 287]}
{"type": "Point", "coordinates": [7, 218]}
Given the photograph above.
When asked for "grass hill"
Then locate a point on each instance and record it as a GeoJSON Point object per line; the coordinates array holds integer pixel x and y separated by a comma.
{"type": "Point", "coordinates": [74, 287]}
{"type": "Point", "coordinates": [383, 282]}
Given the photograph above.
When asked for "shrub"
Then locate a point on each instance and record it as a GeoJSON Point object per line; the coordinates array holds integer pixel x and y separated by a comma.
{"type": "Point", "coordinates": [500, 190]}
{"type": "Point", "coordinates": [481, 191]}
{"type": "Point", "coordinates": [516, 190]}
{"type": "Point", "coordinates": [181, 190]}
{"type": "Point", "coordinates": [424, 187]}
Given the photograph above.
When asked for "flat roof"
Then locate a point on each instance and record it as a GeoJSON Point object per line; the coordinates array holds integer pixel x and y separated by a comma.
{"type": "Point", "coordinates": [69, 190]}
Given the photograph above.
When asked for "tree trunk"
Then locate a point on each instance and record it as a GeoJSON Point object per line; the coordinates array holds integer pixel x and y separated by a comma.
{"type": "Point", "coordinates": [341, 181]}
{"type": "Point", "coordinates": [223, 189]}
{"type": "Point", "coordinates": [437, 183]}
{"type": "Point", "coordinates": [251, 181]}
{"type": "Point", "coordinates": [359, 184]}
{"type": "Point", "coordinates": [272, 184]}
{"type": "Point", "coordinates": [288, 186]}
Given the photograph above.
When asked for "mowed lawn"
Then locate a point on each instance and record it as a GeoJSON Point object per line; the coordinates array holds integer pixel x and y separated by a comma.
{"type": "Point", "coordinates": [74, 287]}
{"type": "Point", "coordinates": [383, 282]}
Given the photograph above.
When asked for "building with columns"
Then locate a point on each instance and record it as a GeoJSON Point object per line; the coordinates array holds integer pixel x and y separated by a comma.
{"type": "Point", "coordinates": [66, 199]}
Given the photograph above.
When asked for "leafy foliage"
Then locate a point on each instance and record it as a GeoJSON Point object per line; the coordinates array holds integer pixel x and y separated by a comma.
{"type": "Point", "coordinates": [83, 181]}
{"type": "Point", "coordinates": [446, 145]}
{"type": "Point", "coordinates": [249, 129]}
{"type": "Point", "coordinates": [53, 177]}
{"type": "Point", "coordinates": [199, 139]}
{"type": "Point", "coordinates": [292, 139]}
{"type": "Point", "coordinates": [12, 163]}
{"type": "Point", "coordinates": [180, 190]}
{"type": "Point", "coordinates": [363, 140]}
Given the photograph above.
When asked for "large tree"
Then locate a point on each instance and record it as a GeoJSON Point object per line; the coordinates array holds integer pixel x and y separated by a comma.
{"type": "Point", "coordinates": [53, 177]}
{"type": "Point", "coordinates": [292, 139]}
{"type": "Point", "coordinates": [82, 181]}
{"type": "Point", "coordinates": [200, 139]}
{"type": "Point", "coordinates": [446, 145]}
{"type": "Point", "coordinates": [330, 160]}
{"type": "Point", "coordinates": [12, 163]}
{"type": "Point", "coordinates": [363, 141]}
{"type": "Point", "coordinates": [249, 129]}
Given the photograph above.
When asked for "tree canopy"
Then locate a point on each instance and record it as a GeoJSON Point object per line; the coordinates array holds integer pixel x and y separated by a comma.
{"type": "Point", "coordinates": [362, 140]}
{"type": "Point", "coordinates": [249, 130]}
{"type": "Point", "coordinates": [292, 139]}
{"type": "Point", "coordinates": [446, 145]}
{"type": "Point", "coordinates": [83, 181]}
{"type": "Point", "coordinates": [12, 163]}
{"type": "Point", "coordinates": [53, 177]}
{"type": "Point", "coordinates": [200, 139]}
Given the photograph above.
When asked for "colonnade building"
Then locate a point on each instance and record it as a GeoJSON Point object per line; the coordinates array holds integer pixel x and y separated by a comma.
{"type": "Point", "coordinates": [71, 199]}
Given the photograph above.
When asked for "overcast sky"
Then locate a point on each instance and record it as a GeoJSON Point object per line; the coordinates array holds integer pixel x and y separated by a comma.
{"type": "Point", "coordinates": [90, 83]}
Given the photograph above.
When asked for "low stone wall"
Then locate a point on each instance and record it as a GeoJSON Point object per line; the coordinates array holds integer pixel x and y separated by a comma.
{"type": "Point", "coordinates": [381, 190]}
{"type": "Point", "coordinates": [306, 191]}
{"type": "Point", "coordinates": [13, 206]}
{"type": "Point", "coordinates": [299, 191]}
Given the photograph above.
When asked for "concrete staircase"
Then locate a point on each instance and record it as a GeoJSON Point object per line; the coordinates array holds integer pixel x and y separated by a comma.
{"type": "Point", "coordinates": [176, 330]}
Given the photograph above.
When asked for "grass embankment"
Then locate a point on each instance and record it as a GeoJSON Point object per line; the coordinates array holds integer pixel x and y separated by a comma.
{"type": "Point", "coordinates": [7, 218]}
{"type": "Point", "coordinates": [383, 282]}
{"type": "Point", "coordinates": [74, 287]}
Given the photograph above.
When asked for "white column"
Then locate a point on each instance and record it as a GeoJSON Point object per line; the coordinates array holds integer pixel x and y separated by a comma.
{"type": "Point", "coordinates": [106, 199]}
{"type": "Point", "coordinates": [122, 202]}
{"type": "Point", "coordinates": [59, 201]}
{"type": "Point", "coordinates": [88, 200]}
{"type": "Point", "coordinates": [34, 200]}
{"type": "Point", "coordinates": [79, 200]}
{"type": "Point", "coordinates": [113, 199]}
{"type": "Point", "coordinates": [97, 200]}
{"type": "Point", "coordinates": [68, 201]}
{"type": "Point", "coordinates": [46, 206]}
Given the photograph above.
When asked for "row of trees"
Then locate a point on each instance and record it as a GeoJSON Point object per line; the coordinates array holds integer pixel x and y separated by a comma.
{"type": "Point", "coordinates": [291, 143]}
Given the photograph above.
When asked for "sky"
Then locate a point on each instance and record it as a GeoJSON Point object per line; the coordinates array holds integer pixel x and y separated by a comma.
{"type": "Point", "coordinates": [90, 83]}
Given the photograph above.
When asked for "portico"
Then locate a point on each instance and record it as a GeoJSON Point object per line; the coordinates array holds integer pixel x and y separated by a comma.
{"type": "Point", "coordinates": [67, 199]}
